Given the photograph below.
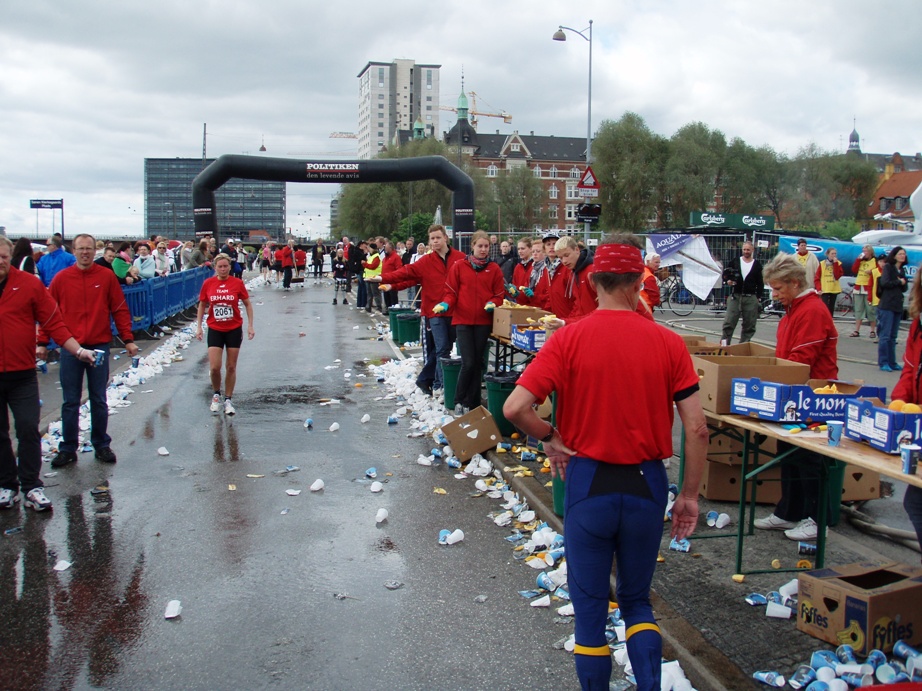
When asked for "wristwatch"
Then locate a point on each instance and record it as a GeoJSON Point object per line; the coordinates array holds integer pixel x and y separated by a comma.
{"type": "Point", "coordinates": [550, 435]}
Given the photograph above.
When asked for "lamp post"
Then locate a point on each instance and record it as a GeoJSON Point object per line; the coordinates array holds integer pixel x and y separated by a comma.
{"type": "Point", "coordinates": [559, 35]}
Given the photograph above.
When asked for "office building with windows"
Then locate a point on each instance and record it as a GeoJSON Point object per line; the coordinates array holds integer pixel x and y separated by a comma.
{"type": "Point", "coordinates": [392, 96]}
{"type": "Point", "coordinates": [246, 208]}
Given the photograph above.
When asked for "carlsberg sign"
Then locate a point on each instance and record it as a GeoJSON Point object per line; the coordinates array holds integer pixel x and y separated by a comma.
{"type": "Point", "coordinates": [743, 221]}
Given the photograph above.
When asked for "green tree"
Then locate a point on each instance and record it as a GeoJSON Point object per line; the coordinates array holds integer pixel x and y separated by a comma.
{"type": "Point", "coordinates": [629, 160]}
{"type": "Point", "coordinates": [695, 169]}
{"type": "Point", "coordinates": [519, 197]}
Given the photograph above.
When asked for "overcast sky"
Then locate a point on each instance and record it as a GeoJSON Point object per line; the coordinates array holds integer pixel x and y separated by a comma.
{"type": "Point", "coordinates": [90, 89]}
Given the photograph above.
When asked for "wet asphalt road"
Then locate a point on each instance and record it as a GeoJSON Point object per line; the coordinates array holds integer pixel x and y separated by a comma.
{"type": "Point", "coordinates": [257, 586]}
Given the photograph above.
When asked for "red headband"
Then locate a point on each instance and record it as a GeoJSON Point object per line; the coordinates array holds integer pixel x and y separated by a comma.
{"type": "Point", "coordinates": [618, 259]}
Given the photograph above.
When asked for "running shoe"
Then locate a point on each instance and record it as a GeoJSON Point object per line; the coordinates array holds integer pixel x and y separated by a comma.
{"type": "Point", "coordinates": [216, 403]}
{"type": "Point", "coordinates": [228, 407]}
{"type": "Point", "coordinates": [805, 530]}
{"type": "Point", "coordinates": [106, 455]}
{"type": "Point", "coordinates": [36, 499]}
{"type": "Point", "coordinates": [8, 498]}
{"type": "Point", "coordinates": [772, 522]}
{"type": "Point", "coordinates": [63, 458]}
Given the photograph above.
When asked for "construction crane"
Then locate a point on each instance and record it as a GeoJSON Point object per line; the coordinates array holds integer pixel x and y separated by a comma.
{"type": "Point", "coordinates": [507, 118]}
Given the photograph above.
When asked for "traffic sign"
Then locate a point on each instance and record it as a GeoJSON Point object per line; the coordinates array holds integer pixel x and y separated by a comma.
{"type": "Point", "coordinates": [588, 182]}
{"type": "Point", "coordinates": [588, 213]}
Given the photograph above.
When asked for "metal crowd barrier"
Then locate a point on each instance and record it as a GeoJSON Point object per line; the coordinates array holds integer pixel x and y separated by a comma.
{"type": "Point", "coordinates": [155, 300]}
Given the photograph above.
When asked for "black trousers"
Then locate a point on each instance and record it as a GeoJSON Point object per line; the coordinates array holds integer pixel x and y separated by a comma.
{"type": "Point", "coordinates": [19, 395]}
{"type": "Point", "coordinates": [472, 343]}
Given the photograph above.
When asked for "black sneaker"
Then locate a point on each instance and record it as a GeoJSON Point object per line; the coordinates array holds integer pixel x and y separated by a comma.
{"type": "Point", "coordinates": [63, 458]}
{"type": "Point", "coordinates": [334, 301]}
{"type": "Point", "coordinates": [425, 388]}
{"type": "Point", "coordinates": [106, 455]}
{"type": "Point", "coordinates": [345, 301]}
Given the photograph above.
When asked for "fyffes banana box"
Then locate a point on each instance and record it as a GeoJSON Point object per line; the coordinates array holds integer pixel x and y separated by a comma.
{"type": "Point", "coordinates": [866, 605]}
{"type": "Point", "coordinates": [818, 400]}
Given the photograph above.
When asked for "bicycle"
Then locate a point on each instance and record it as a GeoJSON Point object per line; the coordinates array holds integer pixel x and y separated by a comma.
{"type": "Point", "coordinates": [681, 301]}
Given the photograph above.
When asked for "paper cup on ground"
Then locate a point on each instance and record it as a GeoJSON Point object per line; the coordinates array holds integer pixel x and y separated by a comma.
{"type": "Point", "coordinates": [803, 676]}
{"type": "Point", "coordinates": [723, 520]}
{"type": "Point", "coordinates": [456, 536]}
{"type": "Point", "coordinates": [773, 609]}
{"type": "Point", "coordinates": [834, 430]}
{"type": "Point", "coordinates": [825, 674]}
{"type": "Point", "coordinates": [711, 518]}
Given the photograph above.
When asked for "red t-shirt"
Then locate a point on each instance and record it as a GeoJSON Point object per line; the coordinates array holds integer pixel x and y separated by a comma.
{"type": "Point", "coordinates": [616, 375]}
{"type": "Point", "coordinates": [223, 300]}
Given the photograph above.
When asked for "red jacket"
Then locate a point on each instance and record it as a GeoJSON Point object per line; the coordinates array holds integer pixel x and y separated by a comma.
{"type": "Point", "coordinates": [907, 388]}
{"type": "Point", "coordinates": [806, 334]}
{"type": "Point", "coordinates": [520, 277]}
{"type": "Point", "coordinates": [300, 258]}
{"type": "Point", "coordinates": [560, 304]}
{"type": "Point", "coordinates": [278, 257]}
{"type": "Point", "coordinates": [23, 303]}
{"type": "Point", "coordinates": [287, 253]}
{"type": "Point", "coordinates": [430, 272]}
{"type": "Point", "coordinates": [468, 291]}
{"type": "Point", "coordinates": [373, 260]}
{"type": "Point", "coordinates": [581, 290]}
{"type": "Point", "coordinates": [87, 299]}
{"type": "Point", "coordinates": [392, 262]}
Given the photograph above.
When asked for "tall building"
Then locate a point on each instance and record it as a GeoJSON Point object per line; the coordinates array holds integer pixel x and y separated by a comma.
{"type": "Point", "coordinates": [245, 207]}
{"type": "Point", "coordinates": [392, 96]}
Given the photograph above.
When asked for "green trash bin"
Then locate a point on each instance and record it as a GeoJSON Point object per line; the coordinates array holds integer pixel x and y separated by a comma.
{"type": "Point", "coordinates": [559, 488]}
{"type": "Point", "coordinates": [451, 368]}
{"type": "Point", "coordinates": [499, 386]}
{"type": "Point", "coordinates": [393, 312]}
{"type": "Point", "coordinates": [407, 328]}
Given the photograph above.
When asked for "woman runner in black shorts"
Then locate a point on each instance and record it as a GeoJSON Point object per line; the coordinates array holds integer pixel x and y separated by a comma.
{"type": "Point", "coordinates": [221, 295]}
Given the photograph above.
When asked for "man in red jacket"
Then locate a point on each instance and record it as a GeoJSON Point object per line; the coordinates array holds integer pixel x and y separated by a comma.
{"type": "Point", "coordinates": [23, 303]}
{"type": "Point", "coordinates": [430, 272]}
{"type": "Point", "coordinates": [88, 296]}
{"type": "Point", "coordinates": [288, 264]}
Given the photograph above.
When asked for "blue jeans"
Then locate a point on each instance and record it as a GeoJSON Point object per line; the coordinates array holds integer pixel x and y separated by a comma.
{"type": "Point", "coordinates": [97, 378]}
{"type": "Point", "coordinates": [361, 297]}
{"type": "Point", "coordinates": [438, 339]}
{"type": "Point", "coordinates": [19, 394]}
{"type": "Point", "coordinates": [888, 327]}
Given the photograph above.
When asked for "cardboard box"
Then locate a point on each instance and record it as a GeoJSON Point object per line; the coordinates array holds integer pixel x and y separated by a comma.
{"type": "Point", "coordinates": [528, 339]}
{"type": "Point", "coordinates": [868, 419]}
{"type": "Point", "coordinates": [473, 433]}
{"type": "Point", "coordinates": [693, 340]}
{"type": "Point", "coordinates": [723, 444]}
{"type": "Point", "coordinates": [867, 605]}
{"type": "Point", "coordinates": [769, 400]}
{"type": "Point", "coordinates": [721, 482]}
{"type": "Point", "coordinates": [505, 317]}
{"type": "Point", "coordinates": [717, 372]}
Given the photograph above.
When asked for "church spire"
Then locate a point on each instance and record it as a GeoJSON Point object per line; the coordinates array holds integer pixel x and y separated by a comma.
{"type": "Point", "coordinates": [854, 141]}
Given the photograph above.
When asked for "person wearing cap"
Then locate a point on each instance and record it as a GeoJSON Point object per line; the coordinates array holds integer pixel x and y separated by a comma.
{"type": "Point", "coordinates": [552, 283]}
{"type": "Point", "coordinates": [744, 277]}
{"type": "Point", "coordinates": [371, 271]}
{"type": "Point", "coordinates": [616, 484]}
{"type": "Point", "coordinates": [25, 302]}
{"type": "Point", "coordinates": [89, 298]}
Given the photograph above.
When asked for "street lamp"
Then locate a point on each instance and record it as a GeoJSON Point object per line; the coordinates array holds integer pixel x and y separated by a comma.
{"type": "Point", "coordinates": [559, 35]}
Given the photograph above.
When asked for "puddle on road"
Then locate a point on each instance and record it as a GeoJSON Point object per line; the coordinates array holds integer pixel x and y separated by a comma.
{"type": "Point", "coordinates": [385, 544]}
{"type": "Point", "coordinates": [286, 395]}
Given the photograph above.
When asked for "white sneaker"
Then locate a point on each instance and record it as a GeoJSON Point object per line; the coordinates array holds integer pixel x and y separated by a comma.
{"type": "Point", "coordinates": [216, 403]}
{"type": "Point", "coordinates": [36, 499]}
{"type": "Point", "coordinates": [8, 498]}
{"type": "Point", "coordinates": [228, 407]}
{"type": "Point", "coordinates": [805, 530]}
{"type": "Point", "coordinates": [772, 522]}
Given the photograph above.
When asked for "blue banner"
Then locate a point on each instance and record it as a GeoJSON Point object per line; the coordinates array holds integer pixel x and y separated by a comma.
{"type": "Point", "coordinates": [665, 245]}
{"type": "Point", "coordinates": [848, 251]}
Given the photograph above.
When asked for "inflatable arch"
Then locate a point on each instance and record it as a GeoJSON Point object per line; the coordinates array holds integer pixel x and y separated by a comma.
{"type": "Point", "coordinates": [230, 166]}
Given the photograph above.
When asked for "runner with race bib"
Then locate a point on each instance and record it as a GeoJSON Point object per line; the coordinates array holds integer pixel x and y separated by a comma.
{"type": "Point", "coordinates": [221, 295]}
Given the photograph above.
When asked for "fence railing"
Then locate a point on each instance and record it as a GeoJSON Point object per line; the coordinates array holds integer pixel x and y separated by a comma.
{"type": "Point", "coordinates": [157, 299]}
